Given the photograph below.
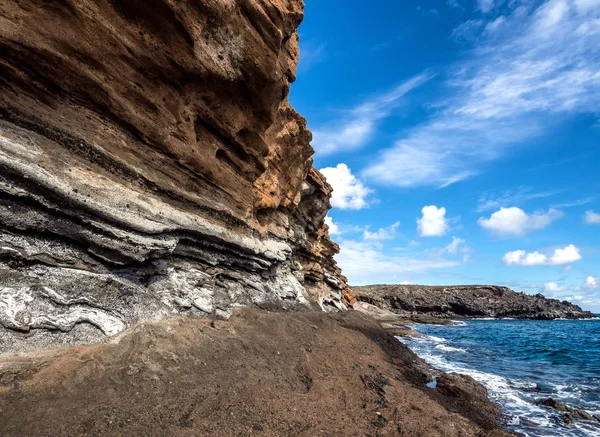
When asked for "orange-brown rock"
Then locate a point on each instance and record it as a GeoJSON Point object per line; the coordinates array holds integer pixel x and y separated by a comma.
{"type": "Point", "coordinates": [150, 163]}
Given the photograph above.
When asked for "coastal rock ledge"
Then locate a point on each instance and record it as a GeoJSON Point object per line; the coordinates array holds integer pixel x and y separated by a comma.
{"type": "Point", "coordinates": [466, 301]}
{"type": "Point", "coordinates": [150, 165]}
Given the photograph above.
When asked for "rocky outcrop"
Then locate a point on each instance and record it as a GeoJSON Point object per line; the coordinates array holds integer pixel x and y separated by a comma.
{"type": "Point", "coordinates": [466, 301]}
{"type": "Point", "coordinates": [150, 164]}
{"type": "Point", "coordinates": [570, 413]}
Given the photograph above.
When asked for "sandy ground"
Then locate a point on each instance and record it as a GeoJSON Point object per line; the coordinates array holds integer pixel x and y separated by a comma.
{"type": "Point", "coordinates": [260, 373]}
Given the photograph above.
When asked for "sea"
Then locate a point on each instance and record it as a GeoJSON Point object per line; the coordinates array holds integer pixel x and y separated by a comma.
{"type": "Point", "coordinates": [521, 362]}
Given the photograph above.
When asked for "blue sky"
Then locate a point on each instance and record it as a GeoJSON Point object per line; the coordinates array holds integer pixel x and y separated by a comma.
{"type": "Point", "coordinates": [461, 138]}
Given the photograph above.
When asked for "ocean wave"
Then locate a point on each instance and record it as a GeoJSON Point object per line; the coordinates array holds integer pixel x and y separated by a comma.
{"type": "Point", "coordinates": [522, 384]}
{"type": "Point", "coordinates": [517, 396]}
{"type": "Point", "coordinates": [436, 339]}
{"type": "Point", "coordinates": [449, 348]}
{"type": "Point", "coordinates": [459, 323]}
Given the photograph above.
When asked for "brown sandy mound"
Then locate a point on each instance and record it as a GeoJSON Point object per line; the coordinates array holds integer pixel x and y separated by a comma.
{"type": "Point", "coordinates": [260, 373]}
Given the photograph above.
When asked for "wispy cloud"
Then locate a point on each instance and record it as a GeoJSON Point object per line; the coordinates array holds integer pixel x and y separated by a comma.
{"type": "Point", "coordinates": [574, 203]}
{"type": "Point", "coordinates": [530, 70]}
{"type": "Point", "coordinates": [486, 6]}
{"type": "Point", "coordinates": [488, 201]}
{"type": "Point", "coordinates": [362, 120]}
{"type": "Point", "coordinates": [454, 4]}
{"type": "Point", "coordinates": [425, 11]}
{"type": "Point", "coordinates": [470, 30]}
{"type": "Point", "coordinates": [381, 234]}
{"type": "Point", "coordinates": [311, 53]}
{"type": "Point", "coordinates": [365, 262]}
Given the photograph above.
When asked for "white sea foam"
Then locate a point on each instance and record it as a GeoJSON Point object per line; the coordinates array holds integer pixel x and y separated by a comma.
{"type": "Point", "coordinates": [449, 348]}
{"type": "Point", "coordinates": [459, 323]}
{"type": "Point", "coordinates": [522, 384]}
{"type": "Point", "coordinates": [523, 414]}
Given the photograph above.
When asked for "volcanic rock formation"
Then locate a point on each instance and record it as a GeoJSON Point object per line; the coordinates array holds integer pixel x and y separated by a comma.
{"type": "Point", "coordinates": [151, 164]}
{"type": "Point", "coordinates": [466, 301]}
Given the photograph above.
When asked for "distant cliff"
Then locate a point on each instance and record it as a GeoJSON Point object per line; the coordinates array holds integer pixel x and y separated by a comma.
{"type": "Point", "coordinates": [150, 164]}
{"type": "Point", "coordinates": [466, 301]}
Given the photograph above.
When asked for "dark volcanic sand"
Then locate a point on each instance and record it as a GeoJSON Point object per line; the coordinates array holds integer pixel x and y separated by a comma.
{"type": "Point", "coordinates": [260, 373]}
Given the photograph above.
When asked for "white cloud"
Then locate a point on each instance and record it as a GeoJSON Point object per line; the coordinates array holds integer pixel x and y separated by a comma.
{"type": "Point", "coordinates": [566, 255]}
{"type": "Point", "coordinates": [515, 222]}
{"type": "Point", "coordinates": [591, 283]}
{"type": "Point", "coordinates": [357, 126]}
{"type": "Point", "coordinates": [348, 191]}
{"type": "Point", "coordinates": [591, 218]}
{"type": "Point", "coordinates": [553, 287]}
{"type": "Point", "coordinates": [514, 257]}
{"type": "Point", "coordinates": [540, 67]}
{"type": "Point", "coordinates": [364, 262]}
{"type": "Point", "coordinates": [388, 233]}
{"type": "Point", "coordinates": [333, 228]}
{"type": "Point", "coordinates": [433, 223]}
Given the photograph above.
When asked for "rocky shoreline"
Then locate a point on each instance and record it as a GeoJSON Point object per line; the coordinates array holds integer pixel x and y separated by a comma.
{"type": "Point", "coordinates": [259, 373]}
{"type": "Point", "coordinates": [434, 304]}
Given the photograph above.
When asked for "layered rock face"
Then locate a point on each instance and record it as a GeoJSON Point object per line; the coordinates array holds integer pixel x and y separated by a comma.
{"type": "Point", "coordinates": [467, 301]}
{"type": "Point", "coordinates": [151, 164]}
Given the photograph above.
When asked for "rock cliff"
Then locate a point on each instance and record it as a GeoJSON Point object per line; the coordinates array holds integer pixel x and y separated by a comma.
{"type": "Point", "coordinates": [466, 301]}
{"type": "Point", "coordinates": [151, 164]}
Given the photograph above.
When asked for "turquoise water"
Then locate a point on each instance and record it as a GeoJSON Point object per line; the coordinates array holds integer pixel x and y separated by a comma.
{"type": "Point", "coordinates": [521, 362]}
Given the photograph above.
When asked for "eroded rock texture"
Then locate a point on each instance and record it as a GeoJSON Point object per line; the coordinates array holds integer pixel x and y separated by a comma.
{"type": "Point", "coordinates": [150, 164]}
